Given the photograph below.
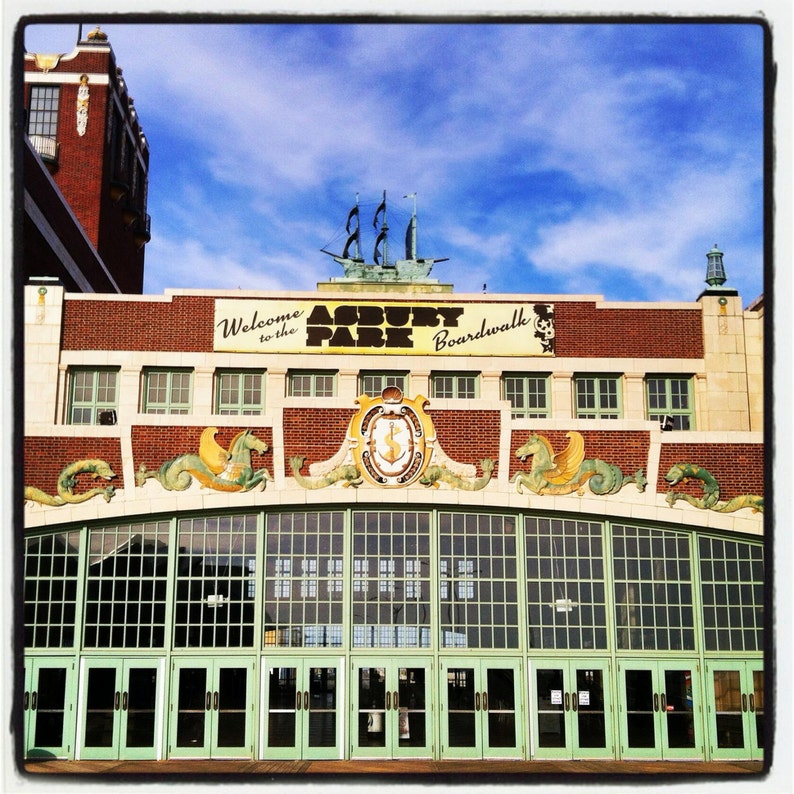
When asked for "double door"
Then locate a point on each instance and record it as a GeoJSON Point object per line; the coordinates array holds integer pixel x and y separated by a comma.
{"type": "Point", "coordinates": [392, 708]}
{"type": "Point", "coordinates": [121, 709]}
{"type": "Point", "coordinates": [481, 708]}
{"type": "Point", "coordinates": [660, 710]}
{"type": "Point", "coordinates": [212, 708]}
{"type": "Point", "coordinates": [301, 714]}
{"type": "Point", "coordinates": [572, 717]}
{"type": "Point", "coordinates": [735, 709]}
{"type": "Point", "coordinates": [48, 713]}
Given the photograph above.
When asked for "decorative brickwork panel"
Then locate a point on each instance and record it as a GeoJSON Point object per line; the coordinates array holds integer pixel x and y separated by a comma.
{"type": "Point", "coordinates": [737, 468]}
{"type": "Point", "coordinates": [317, 433]}
{"type": "Point", "coordinates": [185, 324]}
{"type": "Point", "coordinates": [625, 449]}
{"type": "Point", "coordinates": [46, 457]}
{"type": "Point", "coordinates": [583, 330]}
{"type": "Point", "coordinates": [468, 436]}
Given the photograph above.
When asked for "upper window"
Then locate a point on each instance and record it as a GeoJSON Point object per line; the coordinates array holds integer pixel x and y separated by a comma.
{"type": "Point", "coordinates": [167, 391]}
{"type": "Point", "coordinates": [312, 384]}
{"type": "Point", "coordinates": [528, 395]}
{"type": "Point", "coordinates": [373, 383]}
{"type": "Point", "coordinates": [43, 110]}
{"type": "Point", "coordinates": [239, 393]}
{"type": "Point", "coordinates": [597, 397]}
{"type": "Point", "coordinates": [454, 384]}
{"type": "Point", "coordinates": [670, 396]}
{"type": "Point", "coordinates": [91, 393]}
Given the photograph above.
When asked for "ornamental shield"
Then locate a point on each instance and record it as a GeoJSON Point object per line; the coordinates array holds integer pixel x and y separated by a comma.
{"type": "Point", "coordinates": [392, 438]}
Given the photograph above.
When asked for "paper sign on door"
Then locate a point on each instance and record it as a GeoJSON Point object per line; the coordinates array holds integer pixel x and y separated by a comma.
{"type": "Point", "coordinates": [556, 697]}
{"type": "Point", "coordinates": [584, 698]}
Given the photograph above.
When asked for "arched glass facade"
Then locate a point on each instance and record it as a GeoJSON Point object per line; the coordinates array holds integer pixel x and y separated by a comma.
{"type": "Point", "coordinates": [370, 632]}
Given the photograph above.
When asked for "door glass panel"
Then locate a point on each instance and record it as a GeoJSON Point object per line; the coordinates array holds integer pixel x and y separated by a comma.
{"type": "Point", "coordinates": [639, 709]}
{"type": "Point", "coordinates": [461, 717]}
{"type": "Point", "coordinates": [728, 708]}
{"type": "Point", "coordinates": [140, 705]}
{"type": "Point", "coordinates": [758, 696]}
{"type": "Point", "coordinates": [100, 707]}
{"type": "Point", "coordinates": [232, 698]}
{"type": "Point", "coordinates": [282, 693]}
{"type": "Point", "coordinates": [679, 708]}
{"type": "Point", "coordinates": [590, 704]}
{"type": "Point", "coordinates": [50, 699]}
{"type": "Point", "coordinates": [372, 707]}
{"type": "Point", "coordinates": [322, 707]}
{"type": "Point", "coordinates": [413, 714]}
{"type": "Point", "coordinates": [551, 719]}
{"type": "Point", "coordinates": [501, 707]}
{"type": "Point", "coordinates": [191, 707]}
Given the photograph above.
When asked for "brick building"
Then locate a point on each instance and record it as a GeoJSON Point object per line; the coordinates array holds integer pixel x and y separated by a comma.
{"type": "Point", "coordinates": [384, 519]}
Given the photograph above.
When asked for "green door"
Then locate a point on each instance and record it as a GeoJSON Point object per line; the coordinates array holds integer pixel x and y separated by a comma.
{"type": "Point", "coordinates": [660, 709]}
{"type": "Point", "coordinates": [481, 708]}
{"type": "Point", "coordinates": [48, 708]}
{"type": "Point", "coordinates": [301, 708]}
{"type": "Point", "coordinates": [211, 708]}
{"type": "Point", "coordinates": [392, 708]}
{"type": "Point", "coordinates": [121, 712]}
{"type": "Point", "coordinates": [735, 695]}
{"type": "Point", "coordinates": [572, 714]}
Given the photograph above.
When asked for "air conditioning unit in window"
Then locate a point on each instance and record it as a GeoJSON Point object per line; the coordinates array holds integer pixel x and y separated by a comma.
{"type": "Point", "coordinates": [667, 423]}
{"type": "Point", "coordinates": [107, 417]}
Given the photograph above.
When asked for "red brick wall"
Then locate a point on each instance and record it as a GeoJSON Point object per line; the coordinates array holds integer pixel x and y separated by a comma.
{"type": "Point", "coordinates": [583, 330]}
{"type": "Point", "coordinates": [316, 433]}
{"type": "Point", "coordinates": [737, 468]}
{"type": "Point", "coordinates": [468, 436]}
{"type": "Point", "coordinates": [623, 448]}
{"type": "Point", "coordinates": [46, 457]}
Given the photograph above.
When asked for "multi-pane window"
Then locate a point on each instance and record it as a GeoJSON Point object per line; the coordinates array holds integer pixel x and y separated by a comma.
{"type": "Point", "coordinates": [653, 590]}
{"type": "Point", "coordinates": [91, 391]}
{"type": "Point", "coordinates": [528, 395]}
{"type": "Point", "coordinates": [597, 396]}
{"type": "Point", "coordinates": [214, 595]}
{"type": "Point", "coordinates": [391, 580]}
{"type": "Point", "coordinates": [51, 566]}
{"type": "Point", "coordinates": [373, 383]}
{"type": "Point", "coordinates": [732, 587]}
{"type": "Point", "coordinates": [304, 566]}
{"type": "Point", "coordinates": [459, 385]}
{"type": "Point", "coordinates": [126, 585]}
{"type": "Point", "coordinates": [167, 391]}
{"type": "Point", "coordinates": [670, 396]}
{"type": "Point", "coordinates": [478, 581]}
{"type": "Point", "coordinates": [566, 591]}
{"type": "Point", "coordinates": [43, 110]}
{"type": "Point", "coordinates": [239, 393]}
{"type": "Point", "coordinates": [311, 384]}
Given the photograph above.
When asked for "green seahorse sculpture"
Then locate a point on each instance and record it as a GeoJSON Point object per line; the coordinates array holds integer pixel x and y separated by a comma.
{"type": "Point", "coordinates": [681, 472]}
{"type": "Point", "coordinates": [67, 481]}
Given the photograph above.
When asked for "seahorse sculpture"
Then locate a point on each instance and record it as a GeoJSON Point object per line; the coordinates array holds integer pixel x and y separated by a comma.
{"type": "Point", "coordinates": [435, 474]}
{"type": "Point", "coordinates": [681, 472]}
{"type": "Point", "coordinates": [568, 471]}
{"type": "Point", "coordinates": [214, 467]}
{"type": "Point", "coordinates": [68, 480]}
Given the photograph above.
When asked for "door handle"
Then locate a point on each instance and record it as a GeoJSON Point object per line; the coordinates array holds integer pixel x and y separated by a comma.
{"type": "Point", "coordinates": [124, 701]}
{"type": "Point", "coordinates": [25, 701]}
{"type": "Point", "coordinates": [34, 700]}
{"type": "Point", "coordinates": [655, 701]}
{"type": "Point", "coordinates": [752, 702]}
{"type": "Point", "coordinates": [298, 701]}
{"type": "Point", "coordinates": [388, 701]}
{"type": "Point", "coordinates": [396, 700]}
{"type": "Point", "coordinates": [567, 701]}
{"type": "Point", "coordinates": [215, 700]}
{"type": "Point", "coordinates": [476, 701]}
{"type": "Point", "coordinates": [575, 701]}
{"type": "Point", "coordinates": [744, 702]}
{"type": "Point", "coordinates": [306, 700]}
{"type": "Point", "coordinates": [485, 701]}
{"type": "Point", "coordinates": [116, 700]}
{"type": "Point", "coordinates": [664, 702]}
{"type": "Point", "coordinates": [208, 702]}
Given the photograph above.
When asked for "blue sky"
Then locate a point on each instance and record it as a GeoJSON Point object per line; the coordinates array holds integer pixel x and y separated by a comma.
{"type": "Point", "coordinates": [546, 158]}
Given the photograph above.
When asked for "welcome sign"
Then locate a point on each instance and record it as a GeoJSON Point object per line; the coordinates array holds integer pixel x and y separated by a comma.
{"type": "Point", "coordinates": [397, 328]}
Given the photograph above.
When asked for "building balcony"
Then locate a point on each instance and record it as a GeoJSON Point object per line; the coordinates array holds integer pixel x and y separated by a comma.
{"type": "Point", "coordinates": [46, 147]}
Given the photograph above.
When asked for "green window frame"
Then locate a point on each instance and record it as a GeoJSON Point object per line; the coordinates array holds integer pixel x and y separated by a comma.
{"type": "Point", "coordinates": [311, 383]}
{"type": "Point", "coordinates": [528, 394]}
{"type": "Point", "coordinates": [91, 391]}
{"type": "Point", "coordinates": [43, 107]}
{"type": "Point", "coordinates": [373, 383]}
{"type": "Point", "coordinates": [454, 385]}
{"type": "Point", "coordinates": [598, 396]}
{"type": "Point", "coordinates": [240, 392]}
{"type": "Point", "coordinates": [167, 391]}
{"type": "Point", "coordinates": [670, 395]}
